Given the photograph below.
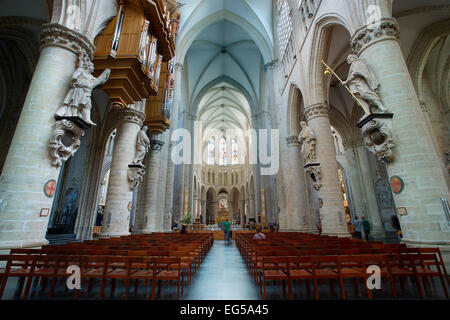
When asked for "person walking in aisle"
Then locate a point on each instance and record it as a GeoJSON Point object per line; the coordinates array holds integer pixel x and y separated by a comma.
{"type": "Point", "coordinates": [226, 230]}
{"type": "Point", "coordinates": [366, 227]}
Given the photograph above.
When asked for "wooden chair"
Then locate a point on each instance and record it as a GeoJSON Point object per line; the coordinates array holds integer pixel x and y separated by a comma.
{"type": "Point", "coordinates": [403, 266]}
{"type": "Point", "coordinates": [300, 269]}
{"type": "Point", "coordinates": [275, 268]}
{"type": "Point", "coordinates": [169, 268]}
{"type": "Point", "coordinates": [94, 267]}
{"type": "Point", "coordinates": [427, 265]}
{"type": "Point", "coordinates": [324, 267]}
{"type": "Point", "coordinates": [144, 268]}
{"type": "Point", "coordinates": [19, 266]}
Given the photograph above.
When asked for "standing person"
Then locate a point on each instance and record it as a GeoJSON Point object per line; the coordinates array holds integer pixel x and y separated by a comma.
{"type": "Point", "coordinates": [226, 230]}
{"type": "Point", "coordinates": [366, 227]}
{"type": "Point", "coordinates": [357, 225]}
{"type": "Point", "coordinates": [183, 229]}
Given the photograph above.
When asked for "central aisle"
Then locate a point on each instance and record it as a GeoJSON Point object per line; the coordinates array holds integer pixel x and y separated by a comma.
{"type": "Point", "coordinates": [222, 276]}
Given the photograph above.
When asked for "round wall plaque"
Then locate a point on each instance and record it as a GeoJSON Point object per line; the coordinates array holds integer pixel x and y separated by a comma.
{"type": "Point", "coordinates": [397, 184]}
{"type": "Point", "coordinates": [320, 203]}
{"type": "Point", "coordinates": [50, 188]}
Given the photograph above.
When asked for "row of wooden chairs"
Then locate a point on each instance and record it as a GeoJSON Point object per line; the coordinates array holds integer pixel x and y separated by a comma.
{"type": "Point", "coordinates": [103, 268]}
{"type": "Point", "coordinates": [317, 268]}
{"type": "Point", "coordinates": [125, 258]}
{"type": "Point", "coordinates": [295, 256]}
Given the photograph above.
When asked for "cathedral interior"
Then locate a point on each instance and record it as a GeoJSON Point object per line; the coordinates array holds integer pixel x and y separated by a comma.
{"type": "Point", "coordinates": [237, 136]}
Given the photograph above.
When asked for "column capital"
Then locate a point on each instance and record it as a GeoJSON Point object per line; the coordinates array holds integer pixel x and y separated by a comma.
{"type": "Point", "coordinates": [56, 35]}
{"type": "Point", "coordinates": [270, 65]}
{"type": "Point", "coordinates": [129, 115]}
{"type": "Point", "coordinates": [292, 141]}
{"type": "Point", "coordinates": [317, 110]}
{"type": "Point", "coordinates": [156, 145]}
{"type": "Point", "coordinates": [179, 67]}
{"type": "Point", "coordinates": [384, 29]}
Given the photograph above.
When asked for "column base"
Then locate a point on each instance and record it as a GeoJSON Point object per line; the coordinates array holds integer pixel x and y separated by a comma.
{"type": "Point", "coordinates": [112, 235]}
{"type": "Point", "coordinates": [337, 234]}
{"type": "Point", "coordinates": [377, 235]}
{"type": "Point", "coordinates": [443, 245]}
{"type": "Point", "coordinates": [6, 246]}
{"type": "Point", "coordinates": [296, 230]}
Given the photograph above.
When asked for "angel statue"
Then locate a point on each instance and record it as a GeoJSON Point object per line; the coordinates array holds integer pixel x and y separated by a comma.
{"type": "Point", "coordinates": [362, 82]}
{"type": "Point", "coordinates": [77, 102]}
{"type": "Point", "coordinates": [142, 145]}
{"type": "Point", "coordinates": [307, 138]}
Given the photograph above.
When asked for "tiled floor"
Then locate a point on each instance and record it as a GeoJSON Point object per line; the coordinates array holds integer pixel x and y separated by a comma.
{"type": "Point", "coordinates": [224, 276]}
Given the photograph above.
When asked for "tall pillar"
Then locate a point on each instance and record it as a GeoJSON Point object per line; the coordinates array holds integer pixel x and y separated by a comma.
{"type": "Point", "coordinates": [176, 173]}
{"type": "Point", "coordinates": [415, 159]}
{"type": "Point", "coordinates": [116, 220]}
{"type": "Point", "coordinates": [377, 231]}
{"type": "Point", "coordinates": [139, 220]}
{"type": "Point", "coordinates": [363, 192]}
{"type": "Point", "coordinates": [242, 212]}
{"type": "Point", "coordinates": [358, 195]}
{"type": "Point", "coordinates": [253, 206]}
{"type": "Point", "coordinates": [297, 208]}
{"type": "Point", "coordinates": [28, 166]}
{"type": "Point", "coordinates": [203, 212]}
{"type": "Point", "coordinates": [152, 221]}
{"type": "Point", "coordinates": [332, 213]}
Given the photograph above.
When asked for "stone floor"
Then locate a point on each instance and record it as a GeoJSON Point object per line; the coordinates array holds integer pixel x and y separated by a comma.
{"type": "Point", "coordinates": [224, 276]}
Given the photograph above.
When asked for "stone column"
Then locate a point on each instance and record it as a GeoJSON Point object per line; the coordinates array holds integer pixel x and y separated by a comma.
{"type": "Point", "coordinates": [242, 212]}
{"type": "Point", "coordinates": [377, 231]}
{"type": "Point", "coordinates": [195, 207]}
{"type": "Point", "coordinates": [140, 209]}
{"type": "Point", "coordinates": [358, 194]}
{"type": "Point", "coordinates": [204, 211]}
{"type": "Point", "coordinates": [414, 158]}
{"type": "Point", "coordinates": [252, 206]}
{"type": "Point", "coordinates": [116, 220]}
{"type": "Point", "coordinates": [363, 192]}
{"type": "Point", "coordinates": [297, 206]}
{"type": "Point", "coordinates": [247, 208]}
{"type": "Point", "coordinates": [152, 221]}
{"type": "Point", "coordinates": [332, 213]}
{"type": "Point", "coordinates": [28, 166]}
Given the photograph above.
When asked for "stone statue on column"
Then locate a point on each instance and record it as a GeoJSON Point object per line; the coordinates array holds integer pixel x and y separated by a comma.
{"type": "Point", "coordinates": [75, 114]}
{"type": "Point", "coordinates": [307, 138]}
{"type": "Point", "coordinates": [362, 82]}
{"type": "Point", "coordinates": [77, 103]}
{"type": "Point", "coordinates": [142, 145]}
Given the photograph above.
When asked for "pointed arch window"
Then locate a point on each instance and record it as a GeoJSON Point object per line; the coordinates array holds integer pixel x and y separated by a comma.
{"type": "Point", "coordinates": [235, 151]}
{"type": "Point", "coordinates": [211, 151]}
{"type": "Point", "coordinates": [223, 152]}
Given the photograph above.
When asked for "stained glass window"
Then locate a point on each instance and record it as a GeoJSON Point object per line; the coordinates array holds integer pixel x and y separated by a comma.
{"type": "Point", "coordinates": [284, 25]}
{"type": "Point", "coordinates": [211, 151]}
{"type": "Point", "coordinates": [223, 152]}
{"type": "Point", "coordinates": [235, 150]}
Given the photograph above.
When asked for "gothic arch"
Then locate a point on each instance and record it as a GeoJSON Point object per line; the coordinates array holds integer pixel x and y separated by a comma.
{"type": "Point", "coordinates": [319, 51]}
{"type": "Point", "coordinates": [419, 54]}
{"type": "Point", "coordinates": [295, 109]}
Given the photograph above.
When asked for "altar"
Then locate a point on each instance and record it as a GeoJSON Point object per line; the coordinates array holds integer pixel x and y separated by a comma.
{"type": "Point", "coordinates": [223, 214]}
